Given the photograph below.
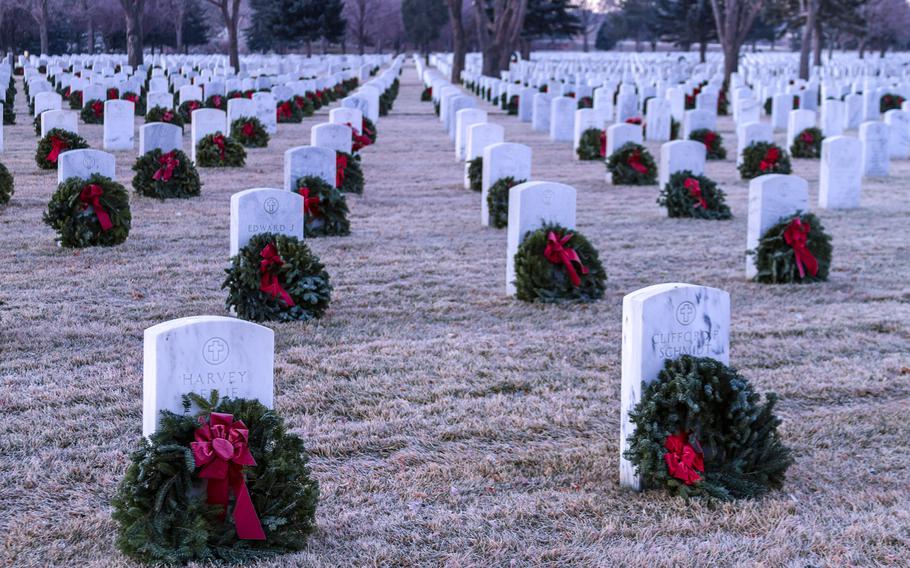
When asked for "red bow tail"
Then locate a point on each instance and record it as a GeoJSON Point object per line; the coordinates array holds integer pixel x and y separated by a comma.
{"type": "Point", "coordinates": [219, 141]}
{"type": "Point", "coordinates": [91, 197]}
{"type": "Point", "coordinates": [168, 163]}
{"type": "Point", "coordinates": [635, 163]}
{"type": "Point", "coordinates": [341, 164]}
{"type": "Point", "coordinates": [556, 252]}
{"type": "Point", "coordinates": [57, 145]}
{"type": "Point", "coordinates": [797, 235]}
{"type": "Point", "coordinates": [694, 188]}
{"type": "Point", "coordinates": [603, 143]}
{"type": "Point", "coordinates": [269, 282]}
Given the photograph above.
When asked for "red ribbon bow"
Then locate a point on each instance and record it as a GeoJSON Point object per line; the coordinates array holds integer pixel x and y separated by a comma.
{"type": "Point", "coordinates": [633, 120]}
{"type": "Point", "coordinates": [695, 191]}
{"type": "Point", "coordinates": [193, 105]}
{"type": "Point", "coordinates": [168, 116]}
{"type": "Point", "coordinates": [635, 162]}
{"type": "Point", "coordinates": [770, 159]}
{"type": "Point", "coordinates": [603, 143]}
{"type": "Point", "coordinates": [341, 163]}
{"type": "Point", "coordinates": [269, 283]}
{"type": "Point", "coordinates": [365, 129]}
{"type": "Point", "coordinates": [807, 138]}
{"type": "Point", "coordinates": [130, 97]}
{"type": "Point", "coordinates": [683, 460]}
{"type": "Point", "coordinates": [90, 196]}
{"type": "Point", "coordinates": [556, 252]}
{"type": "Point", "coordinates": [221, 450]}
{"type": "Point", "coordinates": [216, 100]}
{"type": "Point", "coordinates": [57, 145]}
{"type": "Point", "coordinates": [98, 108]}
{"type": "Point", "coordinates": [112, 94]}
{"type": "Point", "coordinates": [247, 129]}
{"type": "Point", "coordinates": [310, 204]}
{"type": "Point", "coordinates": [284, 110]}
{"type": "Point", "coordinates": [168, 162]}
{"type": "Point", "coordinates": [358, 141]}
{"type": "Point", "coordinates": [218, 140]}
{"type": "Point", "coordinates": [710, 137]}
{"type": "Point", "coordinates": [796, 235]}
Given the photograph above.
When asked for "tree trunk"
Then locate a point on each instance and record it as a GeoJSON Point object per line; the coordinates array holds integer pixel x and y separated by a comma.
{"type": "Point", "coordinates": [309, 48]}
{"type": "Point", "coordinates": [458, 43]}
{"type": "Point", "coordinates": [862, 48]}
{"type": "Point", "coordinates": [42, 27]}
{"type": "Point", "coordinates": [499, 35]}
{"type": "Point", "coordinates": [811, 11]}
{"type": "Point", "coordinates": [180, 14]}
{"type": "Point", "coordinates": [133, 11]}
{"type": "Point", "coordinates": [817, 41]}
{"type": "Point", "coordinates": [702, 50]}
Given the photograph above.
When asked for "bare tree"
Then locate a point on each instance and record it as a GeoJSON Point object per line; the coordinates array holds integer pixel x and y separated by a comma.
{"type": "Point", "coordinates": [456, 16]}
{"type": "Point", "coordinates": [230, 11]}
{"type": "Point", "coordinates": [179, 15]}
{"type": "Point", "coordinates": [39, 11]}
{"type": "Point", "coordinates": [133, 10]}
{"type": "Point", "coordinates": [498, 31]}
{"type": "Point", "coordinates": [360, 20]}
{"type": "Point", "coordinates": [734, 19]}
{"type": "Point", "coordinates": [809, 12]}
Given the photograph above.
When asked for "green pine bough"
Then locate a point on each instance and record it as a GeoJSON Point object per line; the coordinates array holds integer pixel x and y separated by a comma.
{"type": "Point", "coordinates": [161, 114]}
{"type": "Point", "coordinates": [696, 196]}
{"type": "Point", "coordinates": [6, 185]}
{"type": "Point", "coordinates": [716, 410]}
{"type": "Point", "coordinates": [301, 275]}
{"type": "Point", "coordinates": [353, 174]}
{"type": "Point", "coordinates": [250, 132]}
{"type": "Point", "coordinates": [92, 112]}
{"type": "Point", "coordinates": [186, 108]}
{"type": "Point", "coordinates": [182, 181]}
{"type": "Point", "coordinates": [589, 145]}
{"type": "Point", "coordinates": [537, 279]}
{"type": "Point", "coordinates": [475, 173]}
{"type": "Point", "coordinates": [760, 158]}
{"type": "Point", "coordinates": [368, 129]}
{"type": "Point", "coordinates": [498, 201]}
{"type": "Point", "coordinates": [160, 506]}
{"type": "Point", "coordinates": [713, 141]}
{"type": "Point", "coordinates": [326, 209]}
{"type": "Point", "coordinates": [76, 218]}
{"type": "Point", "coordinates": [777, 261]}
{"type": "Point", "coordinates": [632, 164]}
{"type": "Point", "coordinates": [807, 144]}
{"type": "Point", "coordinates": [228, 154]}
{"type": "Point", "coordinates": [54, 143]}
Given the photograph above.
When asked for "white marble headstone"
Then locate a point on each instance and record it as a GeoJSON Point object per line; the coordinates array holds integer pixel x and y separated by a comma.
{"type": "Point", "coordinates": [264, 210]}
{"type": "Point", "coordinates": [206, 121]}
{"type": "Point", "coordinates": [680, 155]}
{"type": "Point", "coordinates": [841, 176]}
{"type": "Point", "coordinates": [874, 136]}
{"type": "Point", "coordinates": [771, 198]}
{"type": "Point", "coordinates": [562, 119]}
{"type": "Point", "coordinates": [160, 135]}
{"type": "Point", "coordinates": [502, 160]}
{"type": "Point", "coordinates": [303, 161]}
{"type": "Point", "coordinates": [63, 119]}
{"type": "Point", "coordinates": [84, 163]}
{"type": "Point", "coordinates": [118, 125]}
{"type": "Point", "coordinates": [334, 136]}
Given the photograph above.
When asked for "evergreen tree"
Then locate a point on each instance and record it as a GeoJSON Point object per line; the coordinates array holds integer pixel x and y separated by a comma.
{"type": "Point", "coordinates": [686, 22]}
{"type": "Point", "coordinates": [259, 36]}
{"type": "Point", "coordinates": [333, 25]}
{"type": "Point", "coordinates": [610, 32]}
{"type": "Point", "coordinates": [548, 19]}
{"type": "Point", "coordinates": [196, 28]}
{"type": "Point", "coordinates": [423, 20]}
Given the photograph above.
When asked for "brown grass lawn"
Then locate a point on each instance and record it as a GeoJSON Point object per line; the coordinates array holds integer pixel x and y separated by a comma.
{"type": "Point", "coordinates": [448, 424]}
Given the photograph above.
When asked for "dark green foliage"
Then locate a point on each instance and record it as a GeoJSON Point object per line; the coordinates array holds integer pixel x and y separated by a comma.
{"type": "Point", "coordinates": [475, 173]}
{"type": "Point", "coordinates": [138, 102]}
{"type": "Point", "coordinates": [45, 145]}
{"type": "Point", "coordinates": [209, 155]}
{"type": "Point", "coordinates": [512, 107]}
{"type": "Point", "coordinates": [539, 280]}
{"type": "Point", "coordinates": [368, 129]}
{"type": "Point", "coordinates": [610, 32]}
{"type": "Point", "coordinates": [305, 105]}
{"type": "Point", "coordinates": [758, 159]}
{"type": "Point", "coordinates": [36, 124]}
{"type": "Point", "coordinates": [249, 132]}
{"type": "Point", "coordinates": [6, 185]}
{"type": "Point", "coordinates": [353, 175]}
{"type": "Point", "coordinates": [744, 456]}
{"type": "Point", "coordinates": [161, 114]}
{"type": "Point", "coordinates": [674, 128]}
{"type": "Point", "coordinates": [590, 144]}
{"type": "Point", "coordinates": [184, 181]}
{"type": "Point", "coordinates": [890, 101]}
{"type": "Point", "coordinates": [160, 506]}
{"type": "Point", "coordinates": [807, 144]}
{"type": "Point", "coordinates": [776, 260]}
{"type": "Point", "coordinates": [498, 201]}
{"type": "Point", "coordinates": [427, 94]}
{"type": "Point", "coordinates": [302, 276]}
{"type": "Point", "coordinates": [585, 102]}
{"type": "Point", "coordinates": [216, 101]}
{"type": "Point", "coordinates": [423, 21]}
{"type": "Point", "coordinates": [328, 217]}
{"type": "Point", "coordinates": [186, 108]}
{"type": "Point", "coordinates": [288, 112]}
{"type": "Point", "coordinates": [713, 141]}
{"type": "Point", "coordinates": [680, 202]}
{"type": "Point", "coordinates": [551, 19]}
{"type": "Point", "coordinates": [92, 112]}
{"type": "Point", "coordinates": [77, 224]}
{"type": "Point", "coordinates": [620, 165]}
{"type": "Point", "coordinates": [75, 99]}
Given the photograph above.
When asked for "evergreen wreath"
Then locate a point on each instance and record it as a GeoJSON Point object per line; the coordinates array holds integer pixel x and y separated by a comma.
{"type": "Point", "coordinates": [475, 173]}
{"type": "Point", "coordinates": [702, 430]}
{"type": "Point", "coordinates": [288, 112]}
{"type": "Point", "coordinates": [592, 145]}
{"type": "Point", "coordinates": [426, 95]}
{"type": "Point", "coordinates": [585, 102]}
{"type": "Point", "coordinates": [186, 108]}
{"type": "Point", "coordinates": [498, 201]}
{"type": "Point", "coordinates": [890, 101]}
{"type": "Point", "coordinates": [166, 174]}
{"type": "Point", "coordinates": [217, 102]}
{"type": "Point", "coordinates": [690, 195]}
{"type": "Point", "coordinates": [36, 124]}
{"type": "Point", "coordinates": [161, 509]}
{"type": "Point", "coordinates": [512, 107]}
{"type": "Point", "coordinates": [313, 98]}
{"type": "Point", "coordinates": [808, 144]}
{"type": "Point", "coordinates": [9, 114]}
{"type": "Point", "coordinates": [6, 185]}
{"type": "Point", "coordinates": [219, 151]}
{"type": "Point", "coordinates": [305, 105]}
{"type": "Point", "coordinates": [632, 164]}
{"type": "Point", "coordinates": [249, 132]}
{"type": "Point", "coordinates": [113, 94]}
{"type": "Point", "coordinates": [161, 114]}
{"type": "Point", "coordinates": [234, 94]}
{"type": "Point", "coordinates": [92, 112]}
{"type": "Point", "coordinates": [75, 99]}
{"type": "Point", "coordinates": [92, 212]}
{"type": "Point", "coordinates": [348, 173]}
{"type": "Point", "coordinates": [674, 128]}
{"type": "Point", "coordinates": [796, 249]}
{"type": "Point", "coordinates": [138, 102]}
{"type": "Point", "coordinates": [760, 158]}
{"type": "Point", "coordinates": [54, 143]}
{"type": "Point", "coordinates": [541, 267]}
{"type": "Point", "coordinates": [368, 129]}
{"type": "Point", "coordinates": [325, 209]}
{"type": "Point", "coordinates": [723, 105]}
{"type": "Point", "coordinates": [277, 278]}
{"type": "Point", "coordinates": [713, 141]}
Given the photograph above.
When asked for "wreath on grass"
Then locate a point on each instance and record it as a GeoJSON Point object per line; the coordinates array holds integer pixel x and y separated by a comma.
{"type": "Point", "coordinates": [216, 101]}
{"type": "Point", "coordinates": [92, 212]}
{"type": "Point", "coordinates": [325, 209]}
{"type": "Point", "coordinates": [75, 100]}
{"type": "Point", "coordinates": [769, 102]}
{"type": "Point", "coordinates": [674, 128]}
{"type": "Point", "coordinates": [556, 265]}
{"type": "Point", "coordinates": [219, 151]}
{"type": "Point", "coordinates": [586, 102]}
{"type": "Point", "coordinates": [498, 201]}
{"type": "Point", "coordinates": [113, 94]}
{"type": "Point", "coordinates": [702, 430]}
{"type": "Point", "coordinates": [6, 185]}
{"type": "Point", "coordinates": [796, 249]}
{"type": "Point", "coordinates": [235, 94]}
{"type": "Point", "coordinates": [760, 158]}
{"type": "Point", "coordinates": [161, 114]}
{"type": "Point", "coordinates": [890, 101]}
{"type": "Point", "coordinates": [36, 124]}
{"type": "Point", "coordinates": [162, 509]}
{"type": "Point", "coordinates": [385, 103]}
{"type": "Point", "coordinates": [592, 145]}
{"type": "Point", "coordinates": [713, 141]}
{"type": "Point", "coordinates": [305, 105]}
{"type": "Point", "coordinates": [315, 99]}
{"type": "Point", "coordinates": [9, 114]}
{"type": "Point", "coordinates": [54, 143]}
{"type": "Point", "coordinates": [186, 108]}
{"type": "Point", "coordinates": [348, 173]}
{"type": "Point", "coordinates": [426, 94]}
{"type": "Point", "coordinates": [92, 112]}
{"type": "Point", "coordinates": [277, 278]}
{"type": "Point", "coordinates": [512, 107]}
{"type": "Point", "coordinates": [249, 132]}
{"type": "Point", "coordinates": [808, 144]}
{"type": "Point", "coordinates": [632, 164]}
{"type": "Point", "coordinates": [475, 173]}
{"type": "Point", "coordinates": [288, 112]}
{"type": "Point", "coordinates": [690, 195]}
{"type": "Point", "coordinates": [164, 175]}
